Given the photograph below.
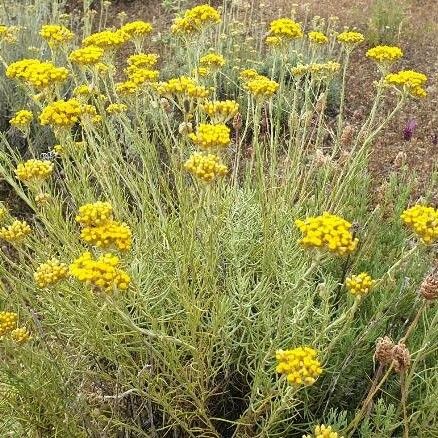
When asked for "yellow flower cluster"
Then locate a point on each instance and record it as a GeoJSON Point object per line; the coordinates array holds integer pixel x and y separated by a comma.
{"type": "Point", "coordinates": [327, 231]}
{"type": "Point", "coordinates": [411, 81]}
{"type": "Point", "coordinates": [211, 136]}
{"type": "Point", "coordinates": [195, 20]}
{"type": "Point", "coordinates": [350, 38]}
{"type": "Point", "coordinates": [21, 119]}
{"type": "Point", "coordinates": [126, 88]}
{"type": "Point", "coordinates": [95, 214]}
{"type": "Point", "coordinates": [33, 170]}
{"type": "Point", "coordinates": [9, 33]}
{"type": "Point", "coordinates": [61, 113]}
{"type": "Point", "coordinates": [8, 320]}
{"type": "Point", "coordinates": [274, 41]}
{"type": "Point", "coordinates": [206, 167]}
{"type": "Point", "coordinates": [423, 220]}
{"type": "Point", "coordinates": [90, 55]}
{"type": "Point", "coordinates": [262, 87]}
{"type": "Point", "coordinates": [56, 35]}
{"type": "Point", "coordinates": [221, 111]}
{"type": "Point", "coordinates": [143, 60]}
{"type": "Point", "coordinates": [107, 39]}
{"type": "Point", "coordinates": [385, 54]}
{"type": "Point", "coordinates": [141, 75]}
{"type": "Point", "coordinates": [285, 28]}
{"type": "Point", "coordinates": [111, 233]}
{"type": "Point", "coordinates": [89, 114]}
{"type": "Point", "coordinates": [321, 71]}
{"type": "Point", "coordinates": [202, 71]}
{"type": "Point", "coordinates": [50, 273]}
{"type": "Point", "coordinates": [137, 29]}
{"type": "Point", "coordinates": [183, 87]}
{"type": "Point", "coordinates": [359, 285]}
{"type": "Point", "coordinates": [85, 90]}
{"type": "Point", "coordinates": [116, 108]}
{"type": "Point", "coordinates": [317, 37]}
{"type": "Point", "coordinates": [212, 61]}
{"type": "Point", "coordinates": [37, 74]}
{"type": "Point", "coordinates": [102, 273]}
{"type": "Point", "coordinates": [322, 431]}
{"type": "Point", "coordinates": [248, 74]}
{"type": "Point", "coordinates": [20, 335]}
{"type": "Point", "coordinates": [300, 365]}
{"type": "Point", "coordinates": [16, 232]}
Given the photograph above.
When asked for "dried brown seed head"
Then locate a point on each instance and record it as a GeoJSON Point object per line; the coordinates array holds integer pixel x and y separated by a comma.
{"type": "Point", "coordinates": [384, 347]}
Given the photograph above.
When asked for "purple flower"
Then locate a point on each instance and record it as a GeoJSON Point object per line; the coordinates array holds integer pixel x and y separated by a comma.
{"type": "Point", "coordinates": [409, 129]}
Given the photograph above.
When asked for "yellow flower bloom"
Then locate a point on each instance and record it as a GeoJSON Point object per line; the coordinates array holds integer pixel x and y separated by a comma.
{"type": "Point", "coordinates": [89, 114]}
{"type": "Point", "coordinates": [285, 28]}
{"type": "Point", "coordinates": [21, 119]}
{"type": "Point", "coordinates": [202, 71]}
{"type": "Point", "coordinates": [107, 39]}
{"type": "Point", "coordinates": [95, 214]}
{"type": "Point", "coordinates": [9, 34]}
{"type": "Point", "coordinates": [385, 54]}
{"type": "Point", "coordinates": [8, 321]}
{"type": "Point", "coordinates": [326, 70]}
{"type": "Point", "coordinates": [127, 87]}
{"type": "Point", "coordinates": [262, 87]}
{"type": "Point", "coordinates": [16, 232]}
{"type": "Point", "coordinates": [221, 111]}
{"type": "Point", "coordinates": [350, 38]}
{"type": "Point", "coordinates": [359, 285]}
{"type": "Point", "coordinates": [317, 37]}
{"type": "Point", "coordinates": [102, 273]}
{"type": "Point", "coordinates": [410, 81]}
{"type": "Point", "coordinates": [184, 87]}
{"type": "Point", "coordinates": [61, 113]}
{"type": "Point", "coordinates": [274, 41]}
{"type": "Point", "coordinates": [208, 136]}
{"type": "Point", "coordinates": [90, 55]}
{"type": "Point", "coordinates": [110, 234]}
{"type": "Point", "coordinates": [423, 221]}
{"type": "Point", "coordinates": [141, 75]}
{"type": "Point", "coordinates": [248, 74]}
{"type": "Point", "coordinates": [50, 273]}
{"type": "Point", "coordinates": [327, 231]}
{"type": "Point", "coordinates": [212, 60]}
{"type": "Point", "coordinates": [205, 167]}
{"type": "Point", "coordinates": [300, 365]}
{"type": "Point", "coordinates": [143, 60]}
{"type": "Point", "coordinates": [20, 335]}
{"type": "Point", "coordinates": [85, 90]}
{"type": "Point", "coordinates": [322, 431]}
{"type": "Point", "coordinates": [32, 171]}
{"type": "Point", "coordinates": [116, 108]}
{"type": "Point", "coordinates": [195, 20]}
{"type": "Point", "coordinates": [56, 35]}
{"type": "Point", "coordinates": [137, 29]}
{"type": "Point", "coordinates": [37, 74]}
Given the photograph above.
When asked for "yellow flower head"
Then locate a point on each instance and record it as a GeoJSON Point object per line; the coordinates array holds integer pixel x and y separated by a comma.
{"type": "Point", "coordinates": [285, 28]}
{"type": "Point", "coordinates": [350, 38]}
{"type": "Point", "coordinates": [89, 114]}
{"type": "Point", "coordinates": [274, 41]}
{"type": "Point", "coordinates": [209, 136]}
{"type": "Point", "coordinates": [317, 37]}
{"type": "Point", "coordinates": [56, 35]}
{"type": "Point", "coordinates": [8, 321]}
{"type": "Point", "coordinates": [183, 87]}
{"type": "Point", "coordinates": [20, 335]}
{"type": "Point", "coordinates": [102, 273]}
{"type": "Point", "coordinates": [110, 234]}
{"type": "Point", "coordinates": [9, 33]}
{"type": "Point", "coordinates": [107, 39]}
{"type": "Point", "coordinates": [212, 61]}
{"type": "Point", "coordinates": [300, 365]}
{"type": "Point", "coordinates": [205, 167]}
{"type": "Point", "coordinates": [221, 111]}
{"type": "Point", "coordinates": [326, 70]}
{"type": "Point", "coordinates": [322, 431]}
{"type": "Point", "coordinates": [50, 273]}
{"type": "Point", "coordinates": [95, 214]}
{"type": "Point", "coordinates": [143, 60]}
{"type": "Point", "coordinates": [140, 75]}
{"type": "Point", "coordinates": [202, 71]}
{"type": "Point", "coordinates": [195, 20]}
{"type": "Point", "coordinates": [248, 74]}
{"type": "Point", "coordinates": [37, 74]}
{"type": "Point", "coordinates": [21, 119]}
{"type": "Point", "coordinates": [137, 29]}
{"type": "Point", "coordinates": [262, 87]}
{"type": "Point", "coordinates": [16, 232]}
{"type": "Point", "coordinates": [127, 88]}
{"type": "Point", "coordinates": [33, 170]}
{"type": "Point", "coordinates": [385, 54]}
{"type": "Point", "coordinates": [359, 285]}
{"type": "Point", "coordinates": [327, 231]}
{"type": "Point", "coordinates": [423, 221]}
{"type": "Point", "coordinates": [90, 55]}
{"type": "Point", "coordinates": [61, 114]}
{"type": "Point", "coordinates": [116, 108]}
{"type": "Point", "coordinates": [410, 81]}
{"type": "Point", "coordinates": [85, 90]}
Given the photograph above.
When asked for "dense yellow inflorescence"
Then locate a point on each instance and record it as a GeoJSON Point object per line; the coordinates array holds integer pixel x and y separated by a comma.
{"type": "Point", "coordinates": [385, 54]}
{"type": "Point", "coordinates": [212, 61]}
{"type": "Point", "coordinates": [248, 74]}
{"type": "Point", "coordinates": [326, 70]}
{"type": "Point", "coordinates": [37, 74]}
{"type": "Point", "coordinates": [195, 20]}
{"type": "Point", "coordinates": [61, 113]}
{"type": "Point", "coordinates": [262, 87]}
{"type": "Point", "coordinates": [107, 39]}
{"type": "Point", "coordinates": [423, 220]}
{"type": "Point", "coordinates": [409, 80]}
{"type": "Point", "coordinates": [141, 76]}
{"type": "Point", "coordinates": [8, 321]}
{"type": "Point", "coordinates": [90, 55]}
{"type": "Point", "coordinates": [116, 108]}
{"type": "Point", "coordinates": [94, 214]}
{"type": "Point", "coordinates": [221, 111]}
{"type": "Point", "coordinates": [20, 335]}
{"type": "Point", "coordinates": [137, 29]}
{"type": "Point", "coordinates": [111, 233]}
{"type": "Point", "coordinates": [56, 35]}
{"type": "Point", "coordinates": [183, 87]}
{"type": "Point", "coordinates": [274, 41]}
{"type": "Point", "coordinates": [285, 28]}
{"type": "Point", "coordinates": [143, 60]}
{"type": "Point", "coordinates": [103, 273]}
{"type": "Point", "coordinates": [322, 431]}
{"type": "Point", "coordinates": [350, 38]}
{"type": "Point", "coordinates": [50, 273]}
{"type": "Point", "coordinates": [16, 232]}
{"type": "Point", "coordinates": [327, 231]}
{"type": "Point", "coordinates": [359, 285]}
{"type": "Point", "coordinates": [206, 167]}
{"type": "Point", "coordinates": [126, 88]}
{"type": "Point", "coordinates": [317, 37]}
{"type": "Point", "coordinates": [33, 170]}
{"type": "Point", "coordinates": [21, 119]}
{"type": "Point", "coordinates": [300, 365]}
{"type": "Point", "coordinates": [211, 136]}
